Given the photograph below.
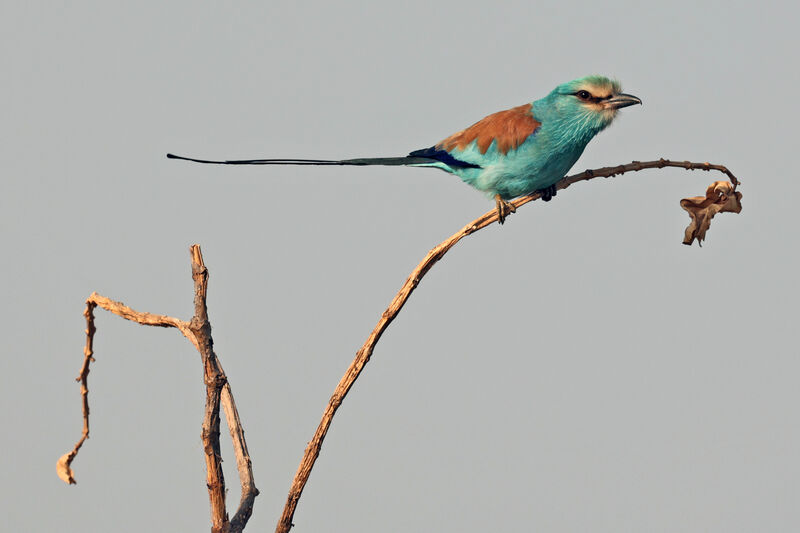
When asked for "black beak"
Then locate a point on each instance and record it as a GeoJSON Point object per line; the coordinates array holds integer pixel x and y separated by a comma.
{"type": "Point", "coordinates": [621, 100]}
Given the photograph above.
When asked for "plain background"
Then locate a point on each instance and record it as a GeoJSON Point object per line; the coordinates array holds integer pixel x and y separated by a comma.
{"type": "Point", "coordinates": [575, 370]}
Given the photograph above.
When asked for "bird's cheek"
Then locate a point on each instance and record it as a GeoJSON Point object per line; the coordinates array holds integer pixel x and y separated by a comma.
{"type": "Point", "coordinates": [562, 107]}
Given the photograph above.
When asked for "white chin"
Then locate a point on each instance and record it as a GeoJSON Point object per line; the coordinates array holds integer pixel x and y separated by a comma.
{"type": "Point", "coordinates": [609, 114]}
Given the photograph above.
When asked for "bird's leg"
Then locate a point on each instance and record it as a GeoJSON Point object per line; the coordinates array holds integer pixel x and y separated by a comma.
{"type": "Point", "coordinates": [503, 208]}
{"type": "Point", "coordinates": [548, 193]}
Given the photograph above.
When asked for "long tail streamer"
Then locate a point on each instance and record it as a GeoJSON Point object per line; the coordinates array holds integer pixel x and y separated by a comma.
{"type": "Point", "coordinates": [389, 161]}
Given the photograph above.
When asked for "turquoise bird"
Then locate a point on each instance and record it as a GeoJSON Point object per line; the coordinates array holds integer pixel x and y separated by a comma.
{"type": "Point", "coordinates": [510, 153]}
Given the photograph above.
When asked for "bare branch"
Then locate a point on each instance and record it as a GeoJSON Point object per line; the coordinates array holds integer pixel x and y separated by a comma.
{"type": "Point", "coordinates": [363, 355]}
{"type": "Point", "coordinates": [243, 462]}
{"type": "Point", "coordinates": [63, 467]}
{"type": "Point", "coordinates": [218, 392]}
{"type": "Point", "coordinates": [145, 319]}
{"type": "Point", "coordinates": [214, 379]}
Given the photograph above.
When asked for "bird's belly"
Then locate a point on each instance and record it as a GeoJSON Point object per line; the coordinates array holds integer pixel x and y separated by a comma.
{"type": "Point", "coordinates": [521, 173]}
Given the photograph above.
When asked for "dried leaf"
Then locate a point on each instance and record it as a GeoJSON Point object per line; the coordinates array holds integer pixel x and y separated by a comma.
{"type": "Point", "coordinates": [64, 470]}
{"type": "Point", "coordinates": [720, 198]}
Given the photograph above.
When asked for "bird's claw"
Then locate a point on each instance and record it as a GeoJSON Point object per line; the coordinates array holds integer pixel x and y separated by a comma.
{"type": "Point", "coordinates": [503, 208]}
{"type": "Point", "coordinates": [548, 193]}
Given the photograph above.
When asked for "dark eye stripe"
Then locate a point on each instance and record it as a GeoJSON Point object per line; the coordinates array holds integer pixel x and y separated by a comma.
{"type": "Point", "coordinates": [586, 96]}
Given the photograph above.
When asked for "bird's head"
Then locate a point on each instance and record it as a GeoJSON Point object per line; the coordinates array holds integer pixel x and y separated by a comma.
{"type": "Point", "coordinates": [588, 104]}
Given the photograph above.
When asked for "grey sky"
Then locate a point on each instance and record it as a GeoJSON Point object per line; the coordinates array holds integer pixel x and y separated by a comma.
{"type": "Point", "coordinates": [575, 370]}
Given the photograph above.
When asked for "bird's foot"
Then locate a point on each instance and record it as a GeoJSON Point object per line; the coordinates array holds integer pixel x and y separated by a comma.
{"type": "Point", "coordinates": [548, 193]}
{"type": "Point", "coordinates": [503, 208]}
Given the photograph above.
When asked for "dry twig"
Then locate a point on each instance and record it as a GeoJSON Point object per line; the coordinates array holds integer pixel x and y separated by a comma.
{"type": "Point", "coordinates": [63, 466]}
{"type": "Point", "coordinates": [365, 352]}
{"type": "Point", "coordinates": [218, 392]}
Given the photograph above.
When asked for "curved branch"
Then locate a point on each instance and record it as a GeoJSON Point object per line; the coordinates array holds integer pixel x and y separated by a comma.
{"type": "Point", "coordinates": [363, 355]}
{"type": "Point", "coordinates": [64, 464]}
{"type": "Point", "coordinates": [143, 318]}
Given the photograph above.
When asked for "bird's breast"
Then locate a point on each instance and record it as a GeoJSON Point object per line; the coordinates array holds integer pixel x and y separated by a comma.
{"type": "Point", "coordinates": [531, 167]}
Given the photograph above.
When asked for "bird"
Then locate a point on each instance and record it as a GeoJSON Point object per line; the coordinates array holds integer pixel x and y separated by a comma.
{"type": "Point", "coordinates": [510, 153]}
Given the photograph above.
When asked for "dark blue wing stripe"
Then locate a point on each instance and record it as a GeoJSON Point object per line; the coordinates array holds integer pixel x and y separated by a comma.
{"type": "Point", "coordinates": [443, 156]}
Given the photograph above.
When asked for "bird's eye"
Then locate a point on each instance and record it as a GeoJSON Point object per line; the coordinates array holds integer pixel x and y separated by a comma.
{"type": "Point", "coordinates": [583, 95]}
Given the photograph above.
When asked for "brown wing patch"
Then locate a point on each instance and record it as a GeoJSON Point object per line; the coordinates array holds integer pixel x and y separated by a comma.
{"type": "Point", "coordinates": [509, 128]}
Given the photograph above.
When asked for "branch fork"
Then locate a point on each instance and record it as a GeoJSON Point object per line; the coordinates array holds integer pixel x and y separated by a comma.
{"type": "Point", "coordinates": [218, 393]}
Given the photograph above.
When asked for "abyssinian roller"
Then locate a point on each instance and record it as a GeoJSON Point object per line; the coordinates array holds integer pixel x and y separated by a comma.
{"type": "Point", "coordinates": [510, 153]}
